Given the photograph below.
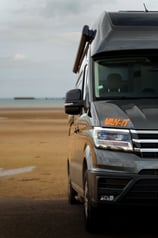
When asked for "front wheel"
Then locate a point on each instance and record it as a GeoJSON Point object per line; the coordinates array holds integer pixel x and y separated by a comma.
{"type": "Point", "coordinates": [90, 212]}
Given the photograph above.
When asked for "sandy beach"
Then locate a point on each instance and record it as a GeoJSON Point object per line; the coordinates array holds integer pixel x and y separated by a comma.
{"type": "Point", "coordinates": [33, 148]}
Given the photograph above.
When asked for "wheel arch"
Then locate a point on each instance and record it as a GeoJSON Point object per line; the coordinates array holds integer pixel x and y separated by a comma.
{"type": "Point", "coordinates": [87, 162]}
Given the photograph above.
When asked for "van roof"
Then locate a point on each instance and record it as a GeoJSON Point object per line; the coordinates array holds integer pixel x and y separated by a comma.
{"type": "Point", "coordinates": [125, 31]}
{"type": "Point", "coordinates": [134, 18]}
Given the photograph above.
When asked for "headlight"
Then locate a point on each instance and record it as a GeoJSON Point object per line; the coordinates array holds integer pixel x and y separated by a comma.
{"type": "Point", "coordinates": [115, 139]}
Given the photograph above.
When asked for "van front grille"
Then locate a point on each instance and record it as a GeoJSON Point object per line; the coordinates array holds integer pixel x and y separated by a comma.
{"type": "Point", "coordinates": [144, 191]}
{"type": "Point", "coordinates": [145, 143]}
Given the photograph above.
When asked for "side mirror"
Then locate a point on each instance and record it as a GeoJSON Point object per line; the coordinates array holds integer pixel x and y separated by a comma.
{"type": "Point", "coordinates": [73, 102]}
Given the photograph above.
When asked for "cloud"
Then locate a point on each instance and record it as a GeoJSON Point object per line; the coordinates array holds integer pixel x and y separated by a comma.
{"type": "Point", "coordinates": [19, 57]}
{"type": "Point", "coordinates": [39, 40]}
{"type": "Point", "coordinates": [60, 8]}
{"type": "Point", "coordinates": [10, 58]}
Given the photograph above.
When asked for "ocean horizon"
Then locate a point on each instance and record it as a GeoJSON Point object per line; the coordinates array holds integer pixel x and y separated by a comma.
{"type": "Point", "coordinates": [31, 102]}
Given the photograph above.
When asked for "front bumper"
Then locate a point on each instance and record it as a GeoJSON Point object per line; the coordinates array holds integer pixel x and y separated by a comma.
{"type": "Point", "coordinates": [125, 188]}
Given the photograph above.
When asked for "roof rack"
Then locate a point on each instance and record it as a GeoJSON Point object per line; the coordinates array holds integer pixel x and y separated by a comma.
{"type": "Point", "coordinates": [86, 39]}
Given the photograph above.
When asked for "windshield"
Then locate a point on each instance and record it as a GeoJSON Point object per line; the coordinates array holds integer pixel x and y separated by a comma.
{"type": "Point", "coordinates": [126, 77]}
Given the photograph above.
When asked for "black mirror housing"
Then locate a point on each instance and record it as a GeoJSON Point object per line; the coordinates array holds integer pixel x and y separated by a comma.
{"type": "Point", "coordinates": [73, 102]}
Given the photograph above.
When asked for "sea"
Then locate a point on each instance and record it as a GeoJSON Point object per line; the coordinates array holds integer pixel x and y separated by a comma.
{"type": "Point", "coordinates": [31, 102]}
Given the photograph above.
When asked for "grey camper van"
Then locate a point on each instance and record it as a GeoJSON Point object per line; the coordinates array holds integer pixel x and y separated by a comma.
{"type": "Point", "coordinates": [113, 114]}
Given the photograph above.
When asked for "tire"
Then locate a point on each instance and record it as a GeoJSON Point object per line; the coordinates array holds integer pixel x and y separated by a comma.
{"type": "Point", "coordinates": [71, 192]}
{"type": "Point", "coordinates": [90, 212]}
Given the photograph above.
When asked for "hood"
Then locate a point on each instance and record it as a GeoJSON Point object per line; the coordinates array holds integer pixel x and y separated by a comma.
{"type": "Point", "coordinates": [135, 114]}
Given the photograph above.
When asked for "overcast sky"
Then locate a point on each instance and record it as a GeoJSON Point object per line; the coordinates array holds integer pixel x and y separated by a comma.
{"type": "Point", "coordinates": [39, 40]}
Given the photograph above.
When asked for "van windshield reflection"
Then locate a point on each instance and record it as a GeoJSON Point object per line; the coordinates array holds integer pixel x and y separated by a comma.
{"type": "Point", "coordinates": [134, 77]}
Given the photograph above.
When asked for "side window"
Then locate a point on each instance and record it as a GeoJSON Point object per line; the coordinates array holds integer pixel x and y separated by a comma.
{"type": "Point", "coordinates": [81, 82]}
{"type": "Point", "coordinates": [86, 91]}
{"type": "Point", "coordinates": [82, 85]}
{"type": "Point", "coordinates": [85, 83]}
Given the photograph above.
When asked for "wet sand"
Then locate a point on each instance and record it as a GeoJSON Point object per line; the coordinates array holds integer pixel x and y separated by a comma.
{"type": "Point", "coordinates": [33, 148]}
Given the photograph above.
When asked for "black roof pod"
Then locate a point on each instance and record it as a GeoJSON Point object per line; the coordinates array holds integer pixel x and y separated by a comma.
{"type": "Point", "coordinates": [86, 39]}
{"type": "Point", "coordinates": [124, 31]}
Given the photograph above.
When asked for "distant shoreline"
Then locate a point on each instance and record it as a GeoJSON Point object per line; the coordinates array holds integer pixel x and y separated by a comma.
{"type": "Point", "coordinates": [24, 98]}
{"type": "Point", "coordinates": [30, 102]}
{"type": "Point", "coordinates": [33, 98]}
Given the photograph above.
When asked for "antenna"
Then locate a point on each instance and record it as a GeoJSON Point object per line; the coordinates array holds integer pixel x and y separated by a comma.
{"type": "Point", "coordinates": [145, 8]}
